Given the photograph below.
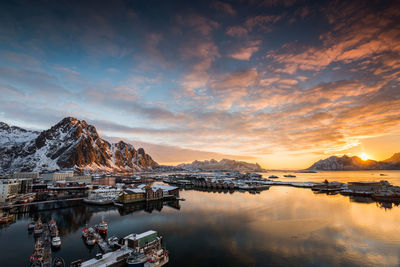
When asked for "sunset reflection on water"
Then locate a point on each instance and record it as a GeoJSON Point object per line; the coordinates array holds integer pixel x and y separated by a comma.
{"type": "Point", "coordinates": [280, 226]}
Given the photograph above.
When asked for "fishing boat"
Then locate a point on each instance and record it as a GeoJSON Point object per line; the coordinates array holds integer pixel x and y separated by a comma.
{"type": "Point", "coordinates": [157, 259]}
{"type": "Point", "coordinates": [113, 241]}
{"type": "Point", "coordinates": [54, 231]}
{"type": "Point", "coordinates": [102, 227]}
{"type": "Point", "coordinates": [58, 262]}
{"type": "Point", "coordinates": [56, 242]}
{"type": "Point", "coordinates": [289, 175]}
{"type": "Point", "coordinates": [88, 236]}
{"type": "Point", "coordinates": [90, 240]}
{"type": "Point", "coordinates": [6, 218]}
{"type": "Point", "coordinates": [38, 227]}
{"type": "Point", "coordinates": [52, 223]}
{"type": "Point", "coordinates": [136, 260]}
{"type": "Point", "coordinates": [37, 255]}
{"type": "Point", "coordinates": [31, 226]}
{"type": "Point", "coordinates": [273, 177]}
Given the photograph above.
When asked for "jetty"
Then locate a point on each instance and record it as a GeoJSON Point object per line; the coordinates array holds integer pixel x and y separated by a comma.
{"type": "Point", "coordinates": [147, 246]}
{"type": "Point", "coordinates": [44, 241]}
{"type": "Point", "coordinates": [111, 259]}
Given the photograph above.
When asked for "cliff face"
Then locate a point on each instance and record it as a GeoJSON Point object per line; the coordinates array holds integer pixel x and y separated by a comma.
{"type": "Point", "coordinates": [224, 164]}
{"type": "Point", "coordinates": [70, 143]}
{"type": "Point", "coordinates": [345, 163]}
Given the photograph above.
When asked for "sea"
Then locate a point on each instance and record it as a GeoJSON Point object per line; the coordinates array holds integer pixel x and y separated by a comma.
{"type": "Point", "coordinates": [281, 226]}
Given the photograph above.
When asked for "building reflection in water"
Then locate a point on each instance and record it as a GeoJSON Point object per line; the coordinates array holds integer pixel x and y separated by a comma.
{"type": "Point", "coordinates": [281, 226]}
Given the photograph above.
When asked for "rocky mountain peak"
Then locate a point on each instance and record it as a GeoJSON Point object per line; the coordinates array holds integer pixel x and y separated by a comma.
{"type": "Point", "coordinates": [4, 125]}
{"type": "Point", "coordinates": [71, 143]}
{"type": "Point", "coordinates": [353, 163]}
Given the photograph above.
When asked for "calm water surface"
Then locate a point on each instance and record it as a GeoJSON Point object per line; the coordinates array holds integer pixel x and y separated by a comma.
{"type": "Point", "coordinates": [281, 226]}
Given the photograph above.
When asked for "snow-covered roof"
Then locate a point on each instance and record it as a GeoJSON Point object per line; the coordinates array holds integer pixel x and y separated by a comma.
{"type": "Point", "coordinates": [164, 187]}
{"type": "Point", "coordinates": [136, 190]}
{"type": "Point", "coordinates": [138, 236]}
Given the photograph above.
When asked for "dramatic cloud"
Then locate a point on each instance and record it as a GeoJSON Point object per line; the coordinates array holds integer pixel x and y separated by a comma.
{"type": "Point", "coordinates": [262, 81]}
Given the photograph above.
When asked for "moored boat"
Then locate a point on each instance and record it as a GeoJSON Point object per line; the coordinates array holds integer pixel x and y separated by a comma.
{"type": "Point", "coordinates": [31, 226]}
{"type": "Point", "coordinates": [56, 242]}
{"type": "Point", "coordinates": [58, 262]}
{"type": "Point", "coordinates": [6, 218]}
{"type": "Point", "coordinates": [38, 227]}
{"type": "Point", "coordinates": [102, 227]}
{"type": "Point", "coordinates": [113, 241]}
{"type": "Point", "coordinates": [98, 201]}
{"type": "Point", "coordinates": [136, 260]}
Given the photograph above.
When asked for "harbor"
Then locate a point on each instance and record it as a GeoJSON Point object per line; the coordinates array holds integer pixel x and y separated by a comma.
{"type": "Point", "coordinates": [206, 222]}
{"type": "Point", "coordinates": [145, 248]}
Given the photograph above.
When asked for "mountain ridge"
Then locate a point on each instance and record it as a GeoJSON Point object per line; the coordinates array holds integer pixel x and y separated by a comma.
{"type": "Point", "coordinates": [345, 162]}
{"type": "Point", "coordinates": [224, 164]}
{"type": "Point", "coordinates": [71, 143]}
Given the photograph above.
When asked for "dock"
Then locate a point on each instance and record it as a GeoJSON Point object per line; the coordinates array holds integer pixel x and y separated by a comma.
{"type": "Point", "coordinates": [101, 243]}
{"type": "Point", "coordinates": [47, 246]}
{"type": "Point", "coordinates": [111, 259]}
{"type": "Point", "coordinates": [45, 239]}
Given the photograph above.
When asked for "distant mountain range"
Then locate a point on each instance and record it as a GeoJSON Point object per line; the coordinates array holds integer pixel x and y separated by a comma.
{"type": "Point", "coordinates": [346, 163]}
{"type": "Point", "coordinates": [224, 164]}
{"type": "Point", "coordinates": [70, 143]}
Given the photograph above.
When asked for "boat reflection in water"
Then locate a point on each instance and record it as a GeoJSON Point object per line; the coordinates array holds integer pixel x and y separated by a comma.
{"type": "Point", "coordinates": [282, 226]}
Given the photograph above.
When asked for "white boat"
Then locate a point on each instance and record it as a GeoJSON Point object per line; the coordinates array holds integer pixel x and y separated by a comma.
{"type": "Point", "coordinates": [56, 241]}
{"type": "Point", "coordinates": [90, 240]}
{"type": "Point", "coordinates": [113, 241]}
{"type": "Point", "coordinates": [98, 201]}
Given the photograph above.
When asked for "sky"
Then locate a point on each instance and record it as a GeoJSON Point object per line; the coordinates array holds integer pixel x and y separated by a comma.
{"type": "Point", "coordinates": [281, 83]}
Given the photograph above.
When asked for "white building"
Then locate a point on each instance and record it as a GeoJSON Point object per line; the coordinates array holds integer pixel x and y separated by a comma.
{"type": "Point", "coordinates": [62, 175]}
{"type": "Point", "coordinates": [80, 179]}
{"type": "Point", "coordinates": [110, 193]}
{"type": "Point", "coordinates": [9, 188]}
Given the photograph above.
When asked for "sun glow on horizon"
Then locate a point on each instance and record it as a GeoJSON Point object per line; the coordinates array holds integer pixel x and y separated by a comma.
{"type": "Point", "coordinates": [364, 156]}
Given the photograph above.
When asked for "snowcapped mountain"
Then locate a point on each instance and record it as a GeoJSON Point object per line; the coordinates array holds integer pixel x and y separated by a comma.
{"type": "Point", "coordinates": [69, 143]}
{"type": "Point", "coordinates": [345, 163]}
{"type": "Point", "coordinates": [224, 164]}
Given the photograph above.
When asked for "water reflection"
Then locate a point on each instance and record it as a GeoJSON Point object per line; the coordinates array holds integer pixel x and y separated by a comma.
{"type": "Point", "coordinates": [281, 226]}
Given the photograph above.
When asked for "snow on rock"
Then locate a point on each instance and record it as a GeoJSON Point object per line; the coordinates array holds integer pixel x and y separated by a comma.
{"type": "Point", "coordinates": [70, 143]}
{"type": "Point", "coordinates": [224, 164]}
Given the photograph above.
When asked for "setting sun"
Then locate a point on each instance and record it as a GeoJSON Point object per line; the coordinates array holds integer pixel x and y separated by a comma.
{"type": "Point", "coordinates": [364, 156]}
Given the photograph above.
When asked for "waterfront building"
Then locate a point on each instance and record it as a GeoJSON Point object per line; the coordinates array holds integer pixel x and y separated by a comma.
{"type": "Point", "coordinates": [367, 186]}
{"type": "Point", "coordinates": [104, 181]}
{"type": "Point", "coordinates": [62, 175]}
{"type": "Point", "coordinates": [32, 175]}
{"type": "Point", "coordinates": [167, 189]}
{"type": "Point", "coordinates": [154, 194]}
{"type": "Point", "coordinates": [9, 188]}
{"type": "Point", "coordinates": [86, 179]}
{"type": "Point", "coordinates": [132, 195]}
{"type": "Point", "coordinates": [110, 193]}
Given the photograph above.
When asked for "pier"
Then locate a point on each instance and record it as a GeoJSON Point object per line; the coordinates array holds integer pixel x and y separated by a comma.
{"type": "Point", "coordinates": [45, 240]}
{"type": "Point", "coordinates": [101, 243]}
